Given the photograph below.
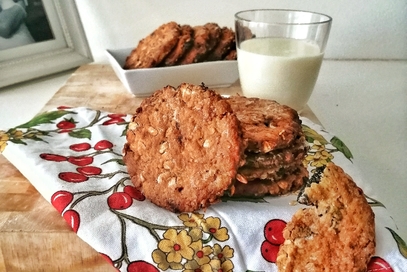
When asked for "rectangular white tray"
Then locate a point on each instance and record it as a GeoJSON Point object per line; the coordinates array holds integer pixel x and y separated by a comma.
{"type": "Point", "coordinates": [143, 82]}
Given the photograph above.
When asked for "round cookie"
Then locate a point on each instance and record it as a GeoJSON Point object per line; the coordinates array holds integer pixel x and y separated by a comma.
{"type": "Point", "coordinates": [289, 182]}
{"type": "Point", "coordinates": [214, 34]}
{"type": "Point", "coordinates": [266, 124]}
{"type": "Point", "coordinates": [151, 50]}
{"type": "Point", "coordinates": [225, 44]}
{"type": "Point", "coordinates": [185, 43]}
{"type": "Point", "coordinates": [232, 55]}
{"type": "Point", "coordinates": [183, 147]}
{"type": "Point", "coordinates": [336, 234]}
{"type": "Point", "coordinates": [200, 47]}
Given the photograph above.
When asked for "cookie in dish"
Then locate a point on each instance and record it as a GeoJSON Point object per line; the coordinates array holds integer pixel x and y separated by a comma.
{"type": "Point", "coordinates": [173, 44]}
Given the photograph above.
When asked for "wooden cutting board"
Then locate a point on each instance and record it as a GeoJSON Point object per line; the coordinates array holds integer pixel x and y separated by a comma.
{"type": "Point", "coordinates": [33, 235]}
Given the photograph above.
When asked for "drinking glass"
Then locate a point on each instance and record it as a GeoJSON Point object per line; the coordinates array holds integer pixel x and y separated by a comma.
{"type": "Point", "coordinates": [279, 53]}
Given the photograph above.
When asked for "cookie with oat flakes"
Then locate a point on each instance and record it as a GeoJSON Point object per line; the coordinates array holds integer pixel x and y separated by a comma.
{"type": "Point", "coordinates": [225, 45]}
{"type": "Point", "coordinates": [151, 50]}
{"type": "Point", "coordinates": [266, 124]}
{"type": "Point", "coordinates": [183, 147]}
{"type": "Point", "coordinates": [200, 48]}
{"type": "Point", "coordinates": [184, 44]}
{"type": "Point", "coordinates": [215, 32]}
{"type": "Point", "coordinates": [336, 234]}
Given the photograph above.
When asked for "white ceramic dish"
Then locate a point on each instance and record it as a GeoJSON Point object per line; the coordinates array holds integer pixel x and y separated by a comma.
{"type": "Point", "coordinates": [143, 82]}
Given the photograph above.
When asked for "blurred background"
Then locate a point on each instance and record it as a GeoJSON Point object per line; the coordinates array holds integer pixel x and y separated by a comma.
{"type": "Point", "coordinates": [361, 30]}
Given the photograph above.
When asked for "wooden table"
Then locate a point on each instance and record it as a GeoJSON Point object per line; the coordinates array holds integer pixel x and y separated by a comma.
{"type": "Point", "coordinates": [33, 235]}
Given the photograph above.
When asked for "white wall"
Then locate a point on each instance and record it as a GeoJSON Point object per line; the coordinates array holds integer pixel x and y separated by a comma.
{"type": "Point", "coordinates": [374, 29]}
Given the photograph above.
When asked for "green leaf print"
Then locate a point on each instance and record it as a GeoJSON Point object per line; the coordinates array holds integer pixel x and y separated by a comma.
{"type": "Point", "coordinates": [17, 141]}
{"type": "Point", "coordinates": [311, 135]}
{"type": "Point", "coordinates": [44, 118]}
{"type": "Point", "coordinates": [81, 133]}
{"type": "Point", "coordinates": [118, 161]}
{"type": "Point", "coordinates": [400, 243]}
{"type": "Point", "coordinates": [336, 142]}
{"type": "Point", "coordinates": [243, 199]}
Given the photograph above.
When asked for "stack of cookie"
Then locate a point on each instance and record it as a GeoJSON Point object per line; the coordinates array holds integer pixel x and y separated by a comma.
{"type": "Point", "coordinates": [173, 44]}
{"type": "Point", "coordinates": [275, 148]}
{"type": "Point", "coordinates": [188, 146]}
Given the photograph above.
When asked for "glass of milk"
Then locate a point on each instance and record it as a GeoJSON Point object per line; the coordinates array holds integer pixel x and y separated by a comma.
{"type": "Point", "coordinates": [279, 53]}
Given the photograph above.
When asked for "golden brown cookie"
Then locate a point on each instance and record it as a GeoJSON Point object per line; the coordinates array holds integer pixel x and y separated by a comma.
{"type": "Point", "coordinates": [183, 147]}
{"type": "Point", "coordinates": [200, 47]}
{"type": "Point", "coordinates": [266, 124]}
{"type": "Point", "coordinates": [185, 42]}
{"type": "Point", "coordinates": [225, 44]}
{"type": "Point", "coordinates": [336, 234]}
{"type": "Point", "coordinates": [215, 32]}
{"type": "Point", "coordinates": [287, 183]}
{"type": "Point", "coordinates": [151, 50]}
{"type": "Point", "coordinates": [232, 55]}
{"type": "Point", "coordinates": [275, 159]}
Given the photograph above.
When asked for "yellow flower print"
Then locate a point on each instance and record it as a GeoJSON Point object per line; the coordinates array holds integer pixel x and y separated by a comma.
{"type": "Point", "coordinates": [202, 253]}
{"type": "Point", "coordinates": [226, 266]}
{"type": "Point", "coordinates": [224, 253]}
{"type": "Point", "coordinates": [317, 146]}
{"type": "Point", "coordinates": [212, 227]}
{"type": "Point", "coordinates": [318, 155]}
{"type": "Point", "coordinates": [191, 220]}
{"type": "Point", "coordinates": [160, 258]}
{"type": "Point", "coordinates": [196, 234]}
{"type": "Point", "coordinates": [176, 245]}
{"type": "Point", "coordinates": [3, 140]}
{"type": "Point", "coordinates": [319, 158]}
{"type": "Point", "coordinates": [194, 266]}
{"type": "Point", "coordinates": [17, 134]}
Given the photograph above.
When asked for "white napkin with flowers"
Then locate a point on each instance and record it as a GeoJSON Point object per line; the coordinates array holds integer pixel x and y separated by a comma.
{"type": "Point", "coordinates": [73, 158]}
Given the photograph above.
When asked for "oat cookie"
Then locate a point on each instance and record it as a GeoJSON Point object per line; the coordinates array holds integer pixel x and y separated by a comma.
{"type": "Point", "coordinates": [287, 183]}
{"type": "Point", "coordinates": [183, 147]}
{"type": "Point", "coordinates": [151, 50]}
{"type": "Point", "coordinates": [232, 55]}
{"type": "Point", "coordinates": [215, 32]}
{"type": "Point", "coordinates": [266, 124]}
{"type": "Point", "coordinates": [336, 234]}
{"type": "Point", "coordinates": [276, 162]}
{"type": "Point", "coordinates": [226, 43]}
{"type": "Point", "coordinates": [200, 47]}
{"type": "Point", "coordinates": [185, 42]}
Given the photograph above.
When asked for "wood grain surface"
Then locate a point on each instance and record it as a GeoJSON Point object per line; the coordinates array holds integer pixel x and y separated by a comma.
{"type": "Point", "coordinates": [33, 235]}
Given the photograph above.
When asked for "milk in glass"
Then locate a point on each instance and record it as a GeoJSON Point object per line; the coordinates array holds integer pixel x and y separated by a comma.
{"type": "Point", "coordinates": [281, 69]}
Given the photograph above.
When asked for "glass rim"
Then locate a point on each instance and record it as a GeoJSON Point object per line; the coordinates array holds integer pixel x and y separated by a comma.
{"type": "Point", "coordinates": [327, 19]}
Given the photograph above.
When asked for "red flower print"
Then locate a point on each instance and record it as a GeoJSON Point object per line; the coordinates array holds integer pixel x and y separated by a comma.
{"type": "Point", "coordinates": [113, 121]}
{"type": "Point", "coordinates": [378, 264]}
{"type": "Point", "coordinates": [134, 193]}
{"type": "Point", "coordinates": [273, 232]}
{"type": "Point", "coordinates": [72, 177]}
{"type": "Point", "coordinates": [103, 144]}
{"type": "Point", "coordinates": [119, 201]}
{"type": "Point", "coordinates": [61, 199]}
{"type": "Point", "coordinates": [141, 266]}
{"type": "Point", "coordinates": [80, 161]}
{"type": "Point", "coordinates": [72, 218]}
{"type": "Point", "coordinates": [89, 170]}
{"type": "Point", "coordinates": [53, 157]}
{"type": "Point", "coordinates": [66, 125]}
{"type": "Point", "coordinates": [80, 147]}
